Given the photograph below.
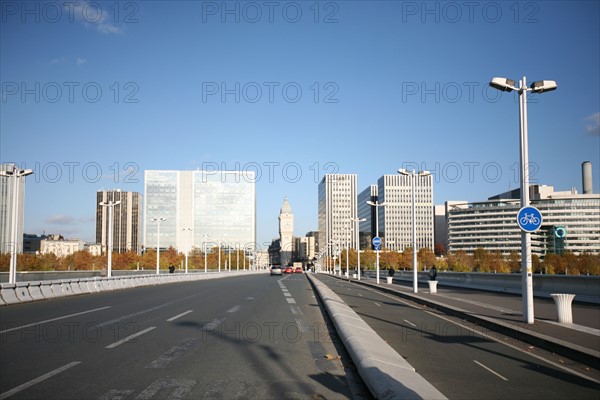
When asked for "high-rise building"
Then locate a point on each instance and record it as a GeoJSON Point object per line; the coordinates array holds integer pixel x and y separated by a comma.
{"type": "Point", "coordinates": [127, 220]}
{"type": "Point", "coordinates": [337, 208]}
{"type": "Point", "coordinates": [395, 219]}
{"type": "Point", "coordinates": [7, 199]}
{"type": "Point", "coordinates": [286, 232]}
{"type": "Point", "coordinates": [202, 208]}
{"type": "Point", "coordinates": [367, 228]}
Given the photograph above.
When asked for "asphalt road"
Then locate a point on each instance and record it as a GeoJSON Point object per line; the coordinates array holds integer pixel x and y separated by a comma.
{"type": "Point", "coordinates": [234, 338]}
{"type": "Point", "coordinates": [456, 359]}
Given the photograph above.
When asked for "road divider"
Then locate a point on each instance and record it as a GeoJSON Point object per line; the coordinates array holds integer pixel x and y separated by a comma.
{"type": "Point", "coordinates": [387, 374]}
{"type": "Point", "coordinates": [23, 292]}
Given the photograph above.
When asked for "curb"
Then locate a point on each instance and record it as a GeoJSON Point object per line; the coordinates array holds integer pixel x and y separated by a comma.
{"type": "Point", "coordinates": [384, 371]}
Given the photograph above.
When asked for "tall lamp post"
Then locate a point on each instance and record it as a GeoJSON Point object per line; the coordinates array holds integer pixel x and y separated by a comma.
{"type": "Point", "coordinates": [357, 237]}
{"type": "Point", "coordinates": [205, 236]}
{"type": "Point", "coordinates": [111, 205]}
{"type": "Point", "coordinates": [376, 204]}
{"type": "Point", "coordinates": [508, 85]}
{"type": "Point", "coordinates": [17, 174]}
{"type": "Point", "coordinates": [413, 174]}
{"type": "Point", "coordinates": [158, 221]}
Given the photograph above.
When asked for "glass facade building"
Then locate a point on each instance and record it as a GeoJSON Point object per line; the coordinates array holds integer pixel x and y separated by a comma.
{"type": "Point", "coordinates": [201, 208]}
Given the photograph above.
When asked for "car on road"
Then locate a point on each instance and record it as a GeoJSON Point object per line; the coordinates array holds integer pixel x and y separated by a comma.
{"type": "Point", "coordinates": [288, 270]}
{"type": "Point", "coordinates": [275, 270]}
{"type": "Point", "coordinates": [298, 270]}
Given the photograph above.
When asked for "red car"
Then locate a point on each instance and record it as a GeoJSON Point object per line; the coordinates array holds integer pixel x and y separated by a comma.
{"type": "Point", "coordinates": [298, 270]}
{"type": "Point", "coordinates": [288, 270]}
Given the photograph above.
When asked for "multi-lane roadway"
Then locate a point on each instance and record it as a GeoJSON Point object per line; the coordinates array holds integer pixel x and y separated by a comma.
{"type": "Point", "coordinates": [253, 336]}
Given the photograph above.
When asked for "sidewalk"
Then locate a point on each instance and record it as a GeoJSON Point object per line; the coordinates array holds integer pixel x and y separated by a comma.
{"type": "Point", "coordinates": [501, 312]}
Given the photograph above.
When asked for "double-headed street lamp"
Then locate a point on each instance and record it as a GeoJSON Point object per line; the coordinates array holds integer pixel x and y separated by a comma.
{"type": "Point", "coordinates": [413, 174]}
{"type": "Point", "coordinates": [357, 236]}
{"type": "Point", "coordinates": [158, 221]}
{"type": "Point", "coordinates": [508, 85]}
{"type": "Point", "coordinates": [376, 204]}
{"type": "Point", "coordinates": [205, 235]}
{"type": "Point", "coordinates": [111, 205]}
{"type": "Point", "coordinates": [16, 174]}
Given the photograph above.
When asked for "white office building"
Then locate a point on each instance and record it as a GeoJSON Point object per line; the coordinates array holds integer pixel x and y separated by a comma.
{"type": "Point", "coordinates": [395, 217]}
{"type": "Point", "coordinates": [337, 205]}
{"type": "Point", "coordinates": [202, 208]}
{"type": "Point", "coordinates": [571, 222]}
{"type": "Point", "coordinates": [7, 199]}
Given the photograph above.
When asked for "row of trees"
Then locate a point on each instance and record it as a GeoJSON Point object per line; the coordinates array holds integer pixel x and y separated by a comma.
{"type": "Point", "coordinates": [84, 261]}
{"type": "Point", "coordinates": [480, 261]}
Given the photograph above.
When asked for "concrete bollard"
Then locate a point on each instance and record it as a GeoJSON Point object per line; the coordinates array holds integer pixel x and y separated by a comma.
{"type": "Point", "coordinates": [22, 292]}
{"type": "Point", "coordinates": [433, 286]}
{"type": "Point", "coordinates": [563, 307]}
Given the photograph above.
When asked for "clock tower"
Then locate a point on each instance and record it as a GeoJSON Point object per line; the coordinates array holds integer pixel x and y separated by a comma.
{"type": "Point", "coordinates": [286, 232]}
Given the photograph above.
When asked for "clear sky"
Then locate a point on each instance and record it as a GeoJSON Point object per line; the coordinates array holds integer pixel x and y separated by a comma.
{"type": "Point", "coordinates": [95, 93]}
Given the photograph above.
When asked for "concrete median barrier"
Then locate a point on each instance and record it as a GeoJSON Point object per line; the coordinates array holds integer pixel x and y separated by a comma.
{"type": "Point", "coordinates": [22, 292]}
{"type": "Point", "coordinates": [56, 287]}
{"type": "Point", "coordinates": [384, 371]}
{"type": "Point", "coordinates": [46, 289]}
{"type": "Point", "coordinates": [8, 294]}
{"type": "Point", "coordinates": [35, 291]}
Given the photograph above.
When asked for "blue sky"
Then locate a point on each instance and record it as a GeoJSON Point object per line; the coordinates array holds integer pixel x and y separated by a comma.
{"type": "Point", "coordinates": [95, 93]}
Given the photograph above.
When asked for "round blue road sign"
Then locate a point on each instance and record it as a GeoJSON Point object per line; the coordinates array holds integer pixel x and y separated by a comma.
{"type": "Point", "coordinates": [376, 242]}
{"type": "Point", "coordinates": [529, 219]}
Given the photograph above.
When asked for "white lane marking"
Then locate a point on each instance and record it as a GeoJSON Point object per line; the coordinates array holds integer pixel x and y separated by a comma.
{"type": "Point", "coordinates": [291, 301]}
{"type": "Point", "coordinates": [213, 325]}
{"type": "Point", "coordinates": [171, 354]}
{"type": "Point", "coordinates": [490, 370]}
{"type": "Point", "coordinates": [144, 311]}
{"type": "Point", "coordinates": [249, 298]}
{"type": "Point", "coordinates": [490, 337]}
{"type": "Point", "coordinates": [38, 380]}
{"type": "Point", "coordinates": [410, 323]}
{"type": "Point", "coordinates": [54, 319]}
{"type": "Point", "coordinates": [180, 315]}
{"type": "Point", "coordinates": [287, 294]}
{"type": "Point", "coordinates": [296, 310]}
{"type": "Point", "coordinates": [377, 304]}
{"type": "Point", "coordinates": [128, 338]}
{"type": "Point", "coordinates": [233, 309]}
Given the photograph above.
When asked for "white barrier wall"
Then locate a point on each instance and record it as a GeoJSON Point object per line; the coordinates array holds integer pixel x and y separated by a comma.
{"type": "Point", "coordinates": [22, 292]}
{"type": "Point", "coordinates": [585, 288]}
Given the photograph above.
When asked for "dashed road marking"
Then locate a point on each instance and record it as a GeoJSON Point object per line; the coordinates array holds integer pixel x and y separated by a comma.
{"type": "Point", "coordinates": [130, 337]}
{"type": "Point", "coordinates": [38, 380]}
{"type": "Point", "coordinates": [180, 315]}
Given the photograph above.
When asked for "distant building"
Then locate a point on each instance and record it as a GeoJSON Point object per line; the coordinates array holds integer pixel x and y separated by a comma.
{"type": "Point", "coordinates": [286, 233]}
{"type": "Point", "coordinates": [492, 224]}
{"type": "Point", "coordinates": [6, 211]}
{"type": "Point", "coordinates": [337, 201]}
{"type": "Point", "coordinates": [201, 208]}
{"type": "Point", "coordinates": [262, 260]}
{"type": "Point", "coordinates": [395, 218]}
{"type": "Point", "coordinates": [32, 243]}
{"type": "Point", "coordinates": [127, 221]}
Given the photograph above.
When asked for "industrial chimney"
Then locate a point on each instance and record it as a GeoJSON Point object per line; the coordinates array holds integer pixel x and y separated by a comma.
{"type": "Point", "coordinates": [586, 177]}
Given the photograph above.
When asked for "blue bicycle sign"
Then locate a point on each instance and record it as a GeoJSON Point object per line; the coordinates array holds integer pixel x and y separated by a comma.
{"type": "Point", "coordinates": [529, 219]}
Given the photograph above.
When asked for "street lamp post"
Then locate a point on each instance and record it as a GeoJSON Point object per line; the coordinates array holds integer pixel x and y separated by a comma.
{"type": "Point", "coordinates": [17, 174]}
{"type": "Point", "coordinates": [508, 85]}
{"type": "Point", "coordinates": [158, 221]}
{"type": "Point", "coordinates": [413, 176]}
{"type": "Point", "coordinates": [357, 237]}
{"type": "Point", "coordinates": [205, 235]}
{"type": "Point", "coordinates": [376, 204]}
{"type": "Point", "coordinates": [111, 205]}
